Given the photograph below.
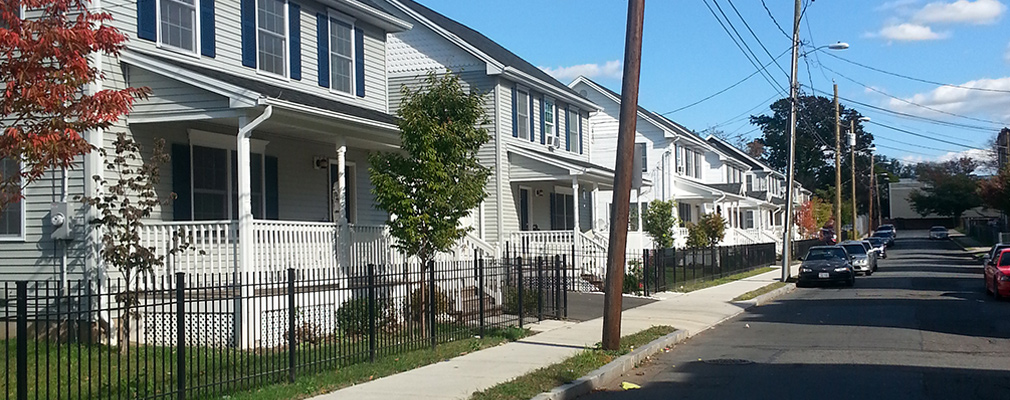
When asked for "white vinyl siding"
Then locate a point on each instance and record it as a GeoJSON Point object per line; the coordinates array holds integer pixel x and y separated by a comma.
{"type": "Point", "coordinates": [272, 36]}
{"type": "Point", "coordinates": [341, 56]}
{"type": "Point", "coordinates": [177, 25]}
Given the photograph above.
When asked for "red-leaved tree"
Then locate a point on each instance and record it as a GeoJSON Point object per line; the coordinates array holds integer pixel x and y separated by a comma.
{"type": "Point", "coordinates": [47, 104]}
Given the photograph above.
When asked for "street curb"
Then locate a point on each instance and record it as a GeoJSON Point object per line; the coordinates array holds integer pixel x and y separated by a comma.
{"type": "Point", "coordinates": [613, 369]}
{"type": "Point", "coordinates": [767, 297]}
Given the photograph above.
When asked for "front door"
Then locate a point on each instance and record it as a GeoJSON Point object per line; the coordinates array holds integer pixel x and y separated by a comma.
{"type": "Point", "coordinates": [524, 209]}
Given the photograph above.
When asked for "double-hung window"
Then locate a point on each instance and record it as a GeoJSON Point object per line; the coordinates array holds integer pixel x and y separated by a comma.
{"type": "Point", "coordinates": [572, 139]}
{"type": "Point", "coordinates": [341, 55]}
{"type": "Point", "coordinates": [12, 220]}
{"type": "Point", "coordinates": [641, 148]}
{"type": "Point", "coordinates": [697, 165]}
{"type": "Point", "coordinates": [562, 211]}
{"type": "Point", "coordinates": [272, 36]}
{"type": "Point", "coordinates": [689, 155]}
{"type": "Point", "coordinates": [523, 114]}
{"type": "Point", "coordinates": [178, 24]}
{"type": "Point", "coordinates": [550, 123]}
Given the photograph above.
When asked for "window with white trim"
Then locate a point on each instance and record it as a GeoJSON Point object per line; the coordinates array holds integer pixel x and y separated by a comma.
{"type": "Point", "coordinates": [341, 56]}
{"type": "Point", "coordinates": [750, 183]}
{"type": "Point", "coordinates": [272, 36]}
{"type": "Point", "coordinates": [215, 187]}
{"type": "Point", "coordinates": [550, 123]}
{"type": "Point", "coordinates": [642, 149]}
{"type": "Point", "coordinates": [697, 165]}
{"type": "Point", "coordinates": [573, 130]}
{"type": "Point", "coordinates": [177, 24]}
{"type": "Point", "coordinates": [12, 222]}
{"type": "Point", "coordinates": [523, 114]}
{"type": "Point", "coordinates": [689, 155]}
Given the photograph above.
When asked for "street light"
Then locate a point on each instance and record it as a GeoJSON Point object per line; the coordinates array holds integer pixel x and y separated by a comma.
{"type": "Point", "coordinates": [787, 234]}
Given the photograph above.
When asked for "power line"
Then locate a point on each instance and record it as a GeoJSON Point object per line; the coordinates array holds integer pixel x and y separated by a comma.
{"type": "Point", "coordinates": [924, 136]}
{"type": "Point", "coordinates": [756, 38]}
{"type": "Point", "coordinates": [914, 78]}
{"type": "Point", "coordinates": [912, 102]}
{"type": "Point", "coordinates": [729, 87]}
{"type": "Point", "coordinates": [741, 47]}
{"type": "Point", "coordinates": [770, 15]}
{"type": "Point", "coordinates": [911, 116]}
{"type": "Point", "coordinates": [913, 144]}
{"type": "Point", "coordinates": [904, 150]}
{"type": "Point", "coordinates": [744, 114]}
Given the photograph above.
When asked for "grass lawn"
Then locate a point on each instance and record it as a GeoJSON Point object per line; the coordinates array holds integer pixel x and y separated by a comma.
{"type": "Point", "coordinates": [575, 367]}
{"type": "Point", "coordinates": [755, 293]}
{"type": "Point", "coordinates": [692, 286]}
{"type": "Point", "coordinates": [83, 371]}
{"type": "Point", "coordinates": [320, 383]}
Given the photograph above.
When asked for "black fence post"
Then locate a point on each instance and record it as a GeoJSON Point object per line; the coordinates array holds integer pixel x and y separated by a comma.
{"type": "Point", "coordinates": [180, 334]}
{"type": "Point", "coordinates": [645, 271]}
{"type": "Point", "coordinates": [371, 312]}
{"type": "Point", "coordinates": [480, 293]}
{"type": "Point", "coordinates": [292, 336]}
{"type": "Point", "coordinates": [540, 288]}
{"type": "Point", "coordinates": [22, 340]}
{"type": "Point", "coordinates": [557, 286]}
{"type": "Point", "coordinates": [431, 300]}
{"type": "Point", "coordinates": [520, 290]}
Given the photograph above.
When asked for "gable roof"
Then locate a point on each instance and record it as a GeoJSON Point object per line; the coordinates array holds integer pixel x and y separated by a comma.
{"type": "Point", "coordinates": [266, 90]}
{"type": "Point", "coordinates": [487, 46]}
{"type": "Point", "coordinates": [742, 155]}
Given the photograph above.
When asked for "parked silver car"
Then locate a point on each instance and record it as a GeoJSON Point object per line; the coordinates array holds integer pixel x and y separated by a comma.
{"type": "Point", "coordinates": [938, 233]}
{"type": "Point", "coordinates": [862, 260]}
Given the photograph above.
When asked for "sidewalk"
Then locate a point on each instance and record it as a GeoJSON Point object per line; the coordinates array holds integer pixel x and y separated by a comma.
{"type": "Point", "coordinates": [459, 377]}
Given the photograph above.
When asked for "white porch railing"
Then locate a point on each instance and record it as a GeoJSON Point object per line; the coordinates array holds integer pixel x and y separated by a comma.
{"type": "Point", "coordinates": [590, 254]}
{"type": "Point", "coordinates": [213, 249]}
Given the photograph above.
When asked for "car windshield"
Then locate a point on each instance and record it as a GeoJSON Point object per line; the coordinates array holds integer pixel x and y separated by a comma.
{"type": "Point", "coordinates": [996, 250]}
{"type": "Point", "coordinates": [882, 234]}
{"type": "Point", "coordinates": [938, 229]}
{"type": "Point", "coordinates": [1004, 259]}
{"type": "Point", "coordinates": [855, 249]}
{"type": "Point", "coordinates": [875, 241]}
{"type": "Point", "coordinates": [825, 254]}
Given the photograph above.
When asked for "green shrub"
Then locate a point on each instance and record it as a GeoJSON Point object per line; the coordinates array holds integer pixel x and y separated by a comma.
{"type": "Point", "coordinates": [512, 301]}
{"type": "Point", "coordinates": [418, 299]}
{"type": "Point", "coordinates": [633, 278]}
{"type": "Point", "coordinates": [352, 316]}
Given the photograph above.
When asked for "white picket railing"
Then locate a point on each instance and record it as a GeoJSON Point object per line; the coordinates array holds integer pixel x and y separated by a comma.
{"type": "Point", "coordinates": [289, 244]}
{"type": "Point", "coordinates": [212, 249]}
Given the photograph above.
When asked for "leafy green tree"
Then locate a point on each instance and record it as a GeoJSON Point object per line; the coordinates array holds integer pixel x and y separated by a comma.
{"type": "Point", "coordinates": [659, 221]}
{"type": "Point", "coordinates": [708, 232]}
{"type": "Point", "coordinates": [815, 142]}
{"type": "Point", "coordinates": [436, 180]}
{"type": "Point", "coordinates": [949, 189]}
{"type": "Point", "coordinates": [995, 190]}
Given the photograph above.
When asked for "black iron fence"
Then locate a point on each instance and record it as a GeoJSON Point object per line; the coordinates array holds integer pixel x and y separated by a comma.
{"type": "Point", "coordinates": [205, 336]}
{"type": "Point", "coordinates": [671, 269]}
{"type": "Point", "coordinates": [801, 247]}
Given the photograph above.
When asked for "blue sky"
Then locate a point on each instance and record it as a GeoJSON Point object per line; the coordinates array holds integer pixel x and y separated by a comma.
{"type": "Point", "coordinates": [687, 56]}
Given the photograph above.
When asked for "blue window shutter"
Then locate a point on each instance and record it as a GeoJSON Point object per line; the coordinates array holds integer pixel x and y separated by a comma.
{"type": "Point", "coordinates": [295, 32]}
{"type": "Point", "coordinates": [271, 193]}
{"type": "Point", "coordinates": [568, 135]}
{"type": "Point", "coordinates": [207, 44]}
{"type": "Point", "coordinates": [182, 207]}
{"type": "Point", "coordinates": [359, 62]}
{"type": "Point", "coordinates": [323, 49]}
{"type": "Point", "coordinates": [515, 114]}
{"type": "Point", "coordinates": [543, 114]}
{"type": "Point", "coordinates": [249, 33]}
{"type": "Point", "coordinates": [147, 19]}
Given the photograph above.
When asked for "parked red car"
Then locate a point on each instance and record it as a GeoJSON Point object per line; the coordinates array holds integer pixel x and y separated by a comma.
{"type": "Point", "coordinates": [997, 275]}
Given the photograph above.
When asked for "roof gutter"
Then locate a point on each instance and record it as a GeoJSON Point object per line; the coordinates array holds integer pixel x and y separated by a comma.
{"type": "Point", "coordinates": [267, 101]}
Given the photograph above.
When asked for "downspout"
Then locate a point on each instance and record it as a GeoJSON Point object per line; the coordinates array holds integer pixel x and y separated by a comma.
{"type": "Point", "coordinates": [245, 224]}
{"type": "Point", "coordinates": [65, 246]}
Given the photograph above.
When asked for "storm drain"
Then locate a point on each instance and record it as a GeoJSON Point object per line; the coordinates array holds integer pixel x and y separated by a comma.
{"type": "Point", "coordinates": [728, 361]}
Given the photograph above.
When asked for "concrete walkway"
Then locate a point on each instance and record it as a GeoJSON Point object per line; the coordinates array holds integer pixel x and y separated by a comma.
{"type": "Point", "coordinates": [459, 377]}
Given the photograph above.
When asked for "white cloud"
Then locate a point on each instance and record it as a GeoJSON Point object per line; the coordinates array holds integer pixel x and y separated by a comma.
{"type": "Point", "coordinates": [961, 11]}
{"type": "Point", "coordinates": [980, 156]}
{"type": "Point", "coordinates": [909, 32]}
{"type": "Point", "coordinates": [610, 69]}
{"type": "Point", "coordinates": [958, 100]}
{"type": "Point", "coordinates": [898, 5]}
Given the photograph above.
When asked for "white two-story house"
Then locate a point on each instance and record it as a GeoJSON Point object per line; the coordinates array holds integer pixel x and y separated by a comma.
{"type": "Point", "coordinates": [543, 178]}
{"type": "Point", "coordinates": [701, 175]}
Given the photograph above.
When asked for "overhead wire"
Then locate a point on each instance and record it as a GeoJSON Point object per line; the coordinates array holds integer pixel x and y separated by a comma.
{"type": "Point", "coordinates": [737, 83]}
{"type": "Point", "coordinates": [756, 38]}
{"type": "Point", "coordinates": [910, 116]}
{"type": "Point", "coordinates": [772, 16]}
{"type": "Point", "coordinates": [924, 136]}
{"type": "Point", "coordinates": [756, 65]}
{"type": "Point", "coordinates": [914, 78]}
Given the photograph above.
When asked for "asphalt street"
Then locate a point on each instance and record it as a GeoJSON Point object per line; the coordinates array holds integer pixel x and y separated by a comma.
{"type": "Point", "coordinates": [921, 327]}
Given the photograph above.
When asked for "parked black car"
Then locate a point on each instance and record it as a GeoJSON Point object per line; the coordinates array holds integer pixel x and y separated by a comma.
{"type": "Point", "coordinates": [886, 235]}
{"type": "Point", "coordinates": [826, 264]}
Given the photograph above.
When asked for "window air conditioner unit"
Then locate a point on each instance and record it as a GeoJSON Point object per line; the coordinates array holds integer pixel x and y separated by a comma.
{"type": "Point", "coordinates": [553, 141]}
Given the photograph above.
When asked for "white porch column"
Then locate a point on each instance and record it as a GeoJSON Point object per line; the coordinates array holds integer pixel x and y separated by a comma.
{"type": "Point", "coordinates": [575, 191]}
{"type": "Point", "coordinates": [245, 218]}
{"type": "Point", "coordinates": [340, 203]}
{"type": "Point", "coordinates": [595, 197]}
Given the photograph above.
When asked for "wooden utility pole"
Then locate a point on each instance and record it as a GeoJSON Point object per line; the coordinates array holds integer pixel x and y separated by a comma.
{"type": "Point", "coordinates": [852, 150]}
{"type": "Point", "coordinates": [623, 176]}
{"type": "Point", "coordinates": [838, 168]}
{"type": "Point", "coordinates": [787, 234]}
{"type": "Point", "coordinates": [873, 186]}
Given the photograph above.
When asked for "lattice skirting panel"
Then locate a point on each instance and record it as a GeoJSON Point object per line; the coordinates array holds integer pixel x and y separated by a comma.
{"type": "Point", "coordinates": [202, 329]}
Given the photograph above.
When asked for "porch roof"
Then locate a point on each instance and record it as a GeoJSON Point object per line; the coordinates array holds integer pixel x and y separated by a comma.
{"type": "Point", "coordinates": [245, 92]}
{"type": "Point", "coordinates": [536, 165]}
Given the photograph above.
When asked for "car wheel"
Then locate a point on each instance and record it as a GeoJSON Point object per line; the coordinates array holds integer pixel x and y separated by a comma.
{"type": "Point", "coordinates": [870, 272]}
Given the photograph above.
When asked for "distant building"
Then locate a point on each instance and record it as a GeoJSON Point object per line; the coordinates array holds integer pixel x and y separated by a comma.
{"type": "Point", "coordinates": [906, 218]}
{"type": "Point", "coordinates": [1002, 147]}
